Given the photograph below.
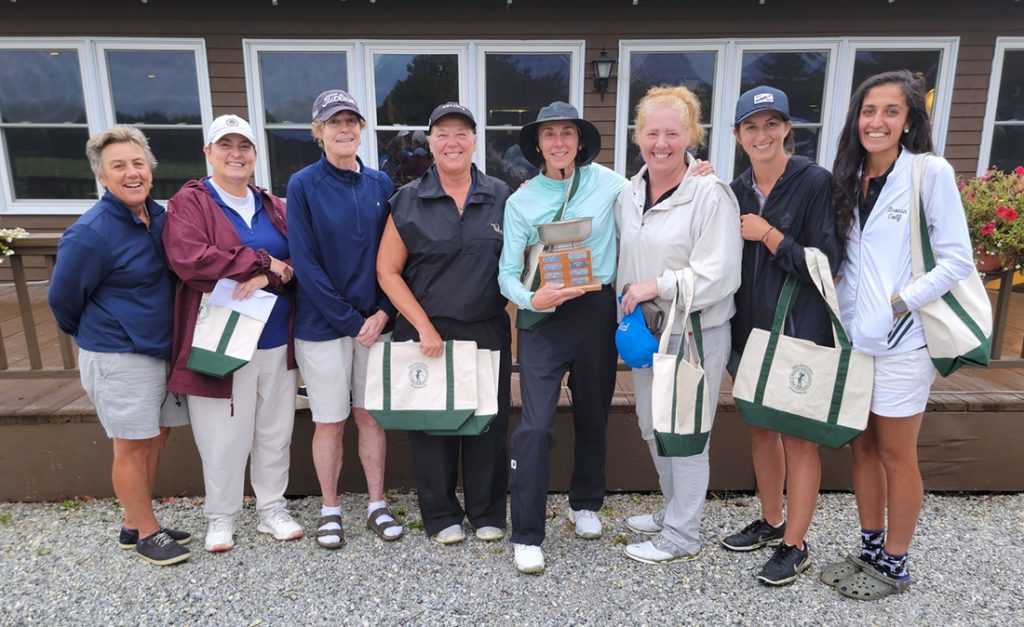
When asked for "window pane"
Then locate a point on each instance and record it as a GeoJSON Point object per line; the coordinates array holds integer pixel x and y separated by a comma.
{"type": "Point", "coordinates": [409, 86]}
{"type": "Point", "coordinates": [634, 160]}
{"type": "Point", "coordinates": [518, 85]}
{"type": "Point", "coordinates": [154, 86]}
{"type": "Point", "coordinates": [292, 80]}
{"type": "Point", "coordinates": [693, 70]}
{"type": "Point", "coordinates": [923, 63]}
{"type": "Point", "coordinates": [505, 160]}
{"type": "Point", "coordinates": [49, 163]}
{"type": "Point", "coordinates": [43, 86]}
{"type": "Point", "coordinates": [806, 144]}
{"type": "Point", "coordinates": [179, 155]}
{"type": "Point", "coordinates": [1011, 87]}
{"type": "Point", "coordinates": [290, 151]}
{"type": "Point", "coordinates": [1007, 147]}
{"type": "Point", "coordinates": [403, 155]}
{"type": "Point", "coordinates": [800, 74]}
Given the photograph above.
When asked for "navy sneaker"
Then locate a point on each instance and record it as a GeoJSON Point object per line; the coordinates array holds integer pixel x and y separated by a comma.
{"type": "Point", "coordinates": [754, 536]}
{"type": "Point", "coordinates": [160, 549]}
{"type": "Point", "coordinates": [128, 538]}
{"type": "Point", "coordinates": [785, 565]}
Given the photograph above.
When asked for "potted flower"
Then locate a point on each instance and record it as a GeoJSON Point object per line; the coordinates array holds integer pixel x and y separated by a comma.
{"type": "Point", "coordinates": [6, 237]}
{"type": "Point", "coordinates": [993, 203]}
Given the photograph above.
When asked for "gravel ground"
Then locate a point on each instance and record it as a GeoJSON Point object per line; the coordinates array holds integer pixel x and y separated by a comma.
{"type": "Point", "coordinates": [59, 565]}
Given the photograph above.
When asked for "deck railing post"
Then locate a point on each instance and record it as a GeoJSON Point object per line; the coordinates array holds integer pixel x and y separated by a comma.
{"type": "Point", "coordinates": [28, 322]}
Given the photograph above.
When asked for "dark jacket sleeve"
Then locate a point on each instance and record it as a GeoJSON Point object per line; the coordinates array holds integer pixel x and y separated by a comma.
{"type": "Point", "coordinates": [308, 263]}
{"type": "Point", "coordinates": [80, 268]}
{"type": "Point", "coordinates": [818, 230]}
{"type": "Point", "coordinates": [387, 190]}
{"type": "Point", "coordinates": [191, 249]}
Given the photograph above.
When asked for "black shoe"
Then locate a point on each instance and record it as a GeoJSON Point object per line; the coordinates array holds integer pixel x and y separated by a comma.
{"type": "Point", "coordinates": [785, 565]}
{"type": "Point", "coordinates": [754, 536]}
{"type": "Point", "coordinates": [128, 538]}
{"type": "Point", "coordinates": [161, 549]}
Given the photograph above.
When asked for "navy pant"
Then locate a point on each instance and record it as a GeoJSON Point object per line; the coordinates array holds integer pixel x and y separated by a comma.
{"type": "Point", "coordinates": [579, 338]}
{"type": "Point", "coordinates": [435, 458]}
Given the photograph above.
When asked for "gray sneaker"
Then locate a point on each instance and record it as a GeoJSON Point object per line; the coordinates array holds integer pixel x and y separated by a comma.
{"type": "Point", "coordinates": [785, 565]}
{"type": "Point", "coordinates": [659, 551]}
{"type": "Point", "coordinates": [754, 536]}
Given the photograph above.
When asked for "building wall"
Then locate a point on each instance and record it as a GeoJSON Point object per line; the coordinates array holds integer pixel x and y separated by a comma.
{"type": "Point", "coordinates": [602, 24]}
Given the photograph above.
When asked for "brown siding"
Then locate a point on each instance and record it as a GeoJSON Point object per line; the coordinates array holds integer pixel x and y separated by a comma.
{"type": "Point", "coordinates": [601, 23]}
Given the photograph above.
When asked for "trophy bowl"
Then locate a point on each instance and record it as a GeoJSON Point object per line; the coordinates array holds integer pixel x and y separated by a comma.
{"type": "Point", "coordinates": [564, 231]}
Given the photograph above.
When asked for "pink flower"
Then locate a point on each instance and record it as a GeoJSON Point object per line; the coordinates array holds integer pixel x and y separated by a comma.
{"type": "Point", "coordinates": [1006, 213]}
{"type": "Point", "coordinates": [988, 229]}
{"type": "Point", "coordinates": [1019, 170]}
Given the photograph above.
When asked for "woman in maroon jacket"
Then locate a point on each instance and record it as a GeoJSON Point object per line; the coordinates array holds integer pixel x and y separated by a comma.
{"type": "Point", "coordinates": [221, 227]}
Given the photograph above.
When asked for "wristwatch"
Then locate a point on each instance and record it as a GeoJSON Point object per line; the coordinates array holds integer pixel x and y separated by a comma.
{"type": "Point", "coordinates": [898, 306]}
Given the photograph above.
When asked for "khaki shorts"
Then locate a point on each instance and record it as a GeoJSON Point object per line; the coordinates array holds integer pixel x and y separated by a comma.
{"type": "Point", "coordinates": [334, 372]}
{"type": "Point", "coordinates": [130, 393]}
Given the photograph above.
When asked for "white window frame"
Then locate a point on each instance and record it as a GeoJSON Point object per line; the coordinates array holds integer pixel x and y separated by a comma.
{"type": "Point", "coordinates": [835, 99]}
{"type": "Point", "coordinates": [988, 126]}
{"type": "Point", "coordinates": [472, 80]}
{"type": "Point", "coordinates": [254, 97]}
{"type": "Point", "coordinates": [99, 108]}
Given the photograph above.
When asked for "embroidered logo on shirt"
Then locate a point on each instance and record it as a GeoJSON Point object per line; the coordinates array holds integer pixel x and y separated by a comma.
{"type": "Point", "coordinates": [496, 227]}
{"type": "Point", "coordinates": [800, 379]}
{"type": "Point", "coordinates": [896, 213]}
{"type": "Point", "coordinates": [418, 374]}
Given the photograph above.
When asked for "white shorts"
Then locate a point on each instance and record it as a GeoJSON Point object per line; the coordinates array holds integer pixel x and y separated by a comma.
{"type": "Point", "coordinates": [334, 372]}
{"type": "Point", "coordinates": [902, 384]}
{"type": "Point", "coordinates": [130, 393]}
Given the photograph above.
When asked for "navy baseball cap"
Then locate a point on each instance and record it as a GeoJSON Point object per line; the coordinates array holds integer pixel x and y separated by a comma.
{"type": "Point", "coordinates": [332, 101]}
{"type": "Point", "coordinates": [634, 341]}
{"type": "Point", "coordinates": [762, 98]}
{"type": "Point", "coordinates": [450, 108]}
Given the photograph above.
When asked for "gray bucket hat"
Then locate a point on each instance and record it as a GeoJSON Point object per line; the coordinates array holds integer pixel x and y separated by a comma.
{"type": "Point", "coordinates": [590, 137]}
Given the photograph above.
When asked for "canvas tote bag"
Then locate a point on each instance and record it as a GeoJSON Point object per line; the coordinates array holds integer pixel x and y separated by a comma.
{"type": "Point", "coordinates": [681, 411]}
{"type": "Point", "coordinates": [407, 390]}
{"type": "Point", "coordinates": [227, 330]}
{"type": "Point", "coordinates": [958, 326]}
{"type": "Point", "coordinates": [796, 387]}
{"type": "Point", "coordinates": [487, 366]}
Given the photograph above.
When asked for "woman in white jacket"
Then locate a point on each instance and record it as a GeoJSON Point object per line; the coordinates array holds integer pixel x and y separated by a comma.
{"type": "Point", "coordinates": [886, 127]}
{"type": "Point", "coordinates": [670, 218]}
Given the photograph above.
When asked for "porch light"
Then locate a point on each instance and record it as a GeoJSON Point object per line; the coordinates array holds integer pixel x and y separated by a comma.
{"type": "Point", "coordinates": [603, 66]}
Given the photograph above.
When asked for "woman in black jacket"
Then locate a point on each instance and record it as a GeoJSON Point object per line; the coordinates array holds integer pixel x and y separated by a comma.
{"type": "Point", "coordinates": [785, 204]}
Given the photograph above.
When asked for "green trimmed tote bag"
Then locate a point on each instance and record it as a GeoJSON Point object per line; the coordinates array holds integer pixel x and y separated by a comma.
{"type": "Point", "coordinates": [406, 390]}
{"type": "Point", "coordinates": [958, 326]}
{"type": "Point", "coordinates": [227, 331]}
{"type": "Point", "coordinates": [797, 387]}
{"type": "Point", "coordinates": [487, 366]}
{"type": "Point", "coordinates": [680, 408]}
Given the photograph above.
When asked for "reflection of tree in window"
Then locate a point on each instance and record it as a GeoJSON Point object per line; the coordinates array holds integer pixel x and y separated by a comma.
{"type": "Point", "coordinates": [800, 74]}
{"type": "Point", "coordinates": [519, 85]}
{"type": "Point", "coordinates": [695, 71]}
{"type": "Point", "coordinates": [430, 80]}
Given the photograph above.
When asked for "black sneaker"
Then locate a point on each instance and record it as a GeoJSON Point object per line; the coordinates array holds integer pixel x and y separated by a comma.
{"type": "Point", "coordinates": [754, 536]}
{"type": "Point", "coordinates": [785, 565]}
{"type": "Point", "coordinates": [161, 549]}
{"type": "Point", "coordinates": [128, 538]}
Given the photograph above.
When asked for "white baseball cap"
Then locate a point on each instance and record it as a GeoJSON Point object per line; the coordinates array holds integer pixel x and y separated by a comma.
{"type": "Point", "coordinates": [228, 124]}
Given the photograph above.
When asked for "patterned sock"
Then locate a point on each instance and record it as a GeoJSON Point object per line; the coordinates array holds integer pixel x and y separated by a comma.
{"type": "Point", "coordinates": [871, 543]}
{"type": "Point", "coordinates": [894, 566]}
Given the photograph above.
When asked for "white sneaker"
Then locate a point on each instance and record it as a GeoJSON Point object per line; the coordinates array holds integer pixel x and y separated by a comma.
{"type": "Point", "coordinates": [658, 551]}
{"type": "Point", "coordinates": [280, 524]}
{"type": "Point", "coordinates": [220, 535]}
{"type": "Point", "coordinates": [488, 533]}
{"type": "Point", "coordinates": [648, 524]}
{"type": "Point", "coordinates": [450, 535]}
{"type": "Point", "coordinates": [529, 558]}
{"type": "Point", "coordinates": [588, 525]}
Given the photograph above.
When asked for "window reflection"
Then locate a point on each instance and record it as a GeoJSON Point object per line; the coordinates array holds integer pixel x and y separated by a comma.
{"type": "Point", "coordinates": [292, 80]}
{"type": "Point", "coordinates": [49, 163]}
{"type": "Point", "coordinates": [693, 70]}
{"type": "Point", "coordinates": [1010, 105]}
{"type": "Point", "coordinates": [403, 155]}
{"type": "Point", "coordinates": [408, 86]}
{"type": "Point", "coordinates": [180, 156]}
{"type": "Point", "coordinates": [289, 150]}
{"type": "Point", "coordinates": [922, 63]}
{"type": "Point", "coordinates": [154, 86]}
{"type": "Point", "coordinates": [41, 86]}
{"type": "Point", "coordinates": [800, 74]}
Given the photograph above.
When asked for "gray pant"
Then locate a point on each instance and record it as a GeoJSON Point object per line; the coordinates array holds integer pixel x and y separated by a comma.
{"type": "Point", "coordinates": [684, 480]}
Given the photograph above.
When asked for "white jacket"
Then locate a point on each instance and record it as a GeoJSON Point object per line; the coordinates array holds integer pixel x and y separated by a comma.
{"type": "Point", "coordinates": [697, 226]}
{"type": "Point", "coordinates": [877, 265]}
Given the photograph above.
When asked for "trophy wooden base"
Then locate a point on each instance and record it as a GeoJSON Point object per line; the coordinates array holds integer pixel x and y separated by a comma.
{"type": "Point", "coordinates": [571, 267]}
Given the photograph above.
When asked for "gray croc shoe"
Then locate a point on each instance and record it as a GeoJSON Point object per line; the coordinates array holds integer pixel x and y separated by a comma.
{"type": "Point", "coordinates": [871, 585]}
{"type": "Point", "coordinates": [832, 574]}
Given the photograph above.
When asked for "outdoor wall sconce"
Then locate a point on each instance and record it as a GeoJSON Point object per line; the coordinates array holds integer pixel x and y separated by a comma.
{"type": "Point", "coordinates": [602, 72]}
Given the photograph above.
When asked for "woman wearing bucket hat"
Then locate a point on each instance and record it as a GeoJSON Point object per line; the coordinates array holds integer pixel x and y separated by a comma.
{"type": "Point", "coordinates": [785, 202]}
{"type": "Point", "coordinates": [437, 263]}
{"type": "Point", "coordinates": [670, 218]}
{"type": "Point", "coordinates": [221, 227]}
{"type": "Point", "coordinates": [577, 336]}
{"type": "Point", "coordinates": [337, 208]}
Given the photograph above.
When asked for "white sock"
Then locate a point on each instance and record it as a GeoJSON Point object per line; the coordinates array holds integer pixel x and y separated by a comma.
{"type": "Point", "coordinates": [390, 532]}
{"type": "Point", "coordinates": [330, 511]}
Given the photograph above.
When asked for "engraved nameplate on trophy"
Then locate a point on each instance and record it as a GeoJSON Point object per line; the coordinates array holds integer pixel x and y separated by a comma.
{"type": "Point", "coordinates": [565, 259]}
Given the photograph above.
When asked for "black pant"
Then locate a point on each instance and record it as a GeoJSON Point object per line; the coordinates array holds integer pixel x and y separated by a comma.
{"type": "Point", "coordinates": [435, 458]}
{"type": "Point", "coordinates": [579, 338]}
